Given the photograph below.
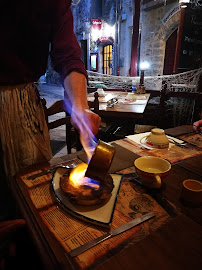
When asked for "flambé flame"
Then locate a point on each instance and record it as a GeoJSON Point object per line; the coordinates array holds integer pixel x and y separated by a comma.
{"type": "Point", "coordinates": [87, 138]}
{"type": "Point", "coordinates": [77, 177]}
{"type": "Point", "coordinates": [88, 141]}
{"type": "Point", "coordinates": [77, 174]}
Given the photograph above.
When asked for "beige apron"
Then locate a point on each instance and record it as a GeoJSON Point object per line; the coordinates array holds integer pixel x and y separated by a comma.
{"type": "Point", "coordinates": [23, 129]}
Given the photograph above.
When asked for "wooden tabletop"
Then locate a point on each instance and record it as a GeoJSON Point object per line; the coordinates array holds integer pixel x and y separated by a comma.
{"type": "Point", "coordinates": [124, 107]}
{"type": "Point", "coordinates": [176, 244]}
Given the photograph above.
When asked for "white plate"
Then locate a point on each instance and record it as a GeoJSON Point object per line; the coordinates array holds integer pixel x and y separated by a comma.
{"type": "Point", "coordinates": [141, 140]}
{"type": "Point", "coordinates": [100, 214]}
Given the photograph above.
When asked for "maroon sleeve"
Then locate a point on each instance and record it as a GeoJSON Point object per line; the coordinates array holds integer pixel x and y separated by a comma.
{"type": "Point", "coordinates": [66, 53]}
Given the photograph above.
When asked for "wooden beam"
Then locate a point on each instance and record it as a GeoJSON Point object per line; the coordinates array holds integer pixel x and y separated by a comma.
{"type": "Point", "coordinates": [135, 39]}
{"type": "Point", "coordinates": [179, 39]}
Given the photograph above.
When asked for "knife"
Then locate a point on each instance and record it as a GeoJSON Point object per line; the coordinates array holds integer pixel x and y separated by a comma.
{"type": "Point", "coordinates": [33, 176]}
{"type": "Point", "coordinates": [192, 144]}
{"type": "Point", "coordinates": [119, 230]}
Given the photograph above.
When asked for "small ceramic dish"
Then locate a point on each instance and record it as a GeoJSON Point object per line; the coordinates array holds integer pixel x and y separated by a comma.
{"type": "Point", "coordinates": [156, 139]}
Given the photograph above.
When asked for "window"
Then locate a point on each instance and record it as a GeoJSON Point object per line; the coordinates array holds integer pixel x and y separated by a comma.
{"type": "Point", "coordinates": [107, 59]}
{"type": "Point", "coordinates": [94, 61]}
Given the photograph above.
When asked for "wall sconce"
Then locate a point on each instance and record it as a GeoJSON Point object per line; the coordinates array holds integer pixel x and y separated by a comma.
{"type": "Point", "coordinates": [183, 3]}
{"type": "Point", "coordinates": [141, 88]}
{"type": "Point", "coordinates": [143, 66]}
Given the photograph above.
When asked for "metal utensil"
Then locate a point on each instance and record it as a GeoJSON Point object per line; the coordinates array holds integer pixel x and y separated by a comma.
{"type": "Point", "coordinates": [51, 170]}
{"type": "Point", "coordinates": [185, 144]}
{"type": "Point", "coordinates": [112, 102]}
{"type": "Point", "coordinates": [33, 176]}
{"type": "Point", "coordinates": [182, 144]}
{"type": "Point", "coordinates": [119, 230]}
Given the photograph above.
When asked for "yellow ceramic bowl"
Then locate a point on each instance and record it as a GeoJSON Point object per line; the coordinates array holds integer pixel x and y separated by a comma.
{"type": "Point", "coordinates": [157, 138]}
{"type": "Point", "coordinates": [151, 170]}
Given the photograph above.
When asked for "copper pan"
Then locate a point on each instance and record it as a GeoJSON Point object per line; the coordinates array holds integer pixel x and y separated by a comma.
{"type": "Point", "coordinates": [101, 160]}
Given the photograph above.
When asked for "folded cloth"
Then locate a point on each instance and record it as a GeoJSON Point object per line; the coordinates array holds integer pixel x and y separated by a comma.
{"type": "Point", "coordinates": [123, 158]}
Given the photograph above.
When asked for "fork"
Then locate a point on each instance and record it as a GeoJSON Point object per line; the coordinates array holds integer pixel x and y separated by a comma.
{"type": "Point", "coordinates": [52, 168]}
{"type": "Point", "coordinates": [68, 166]}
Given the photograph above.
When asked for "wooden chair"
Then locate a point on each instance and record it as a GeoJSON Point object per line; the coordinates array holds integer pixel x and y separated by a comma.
{"type": "Point", "coordinates": [163, 114]}
{"type": "Point", "coordinates": [194, 110]}
{"type": "Point", "coordinates": [60, 106]}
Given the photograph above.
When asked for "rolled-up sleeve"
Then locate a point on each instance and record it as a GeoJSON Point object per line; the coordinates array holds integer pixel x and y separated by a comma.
{"type": "Point", "coordinates": [66, 53]}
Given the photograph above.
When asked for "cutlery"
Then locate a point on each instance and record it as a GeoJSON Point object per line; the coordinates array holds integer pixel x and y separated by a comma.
{"type": "Point", "coordinates": [112, 102]}
{"type": "Point", "coordinates": [33, 176]}
{"type": "Point", "coordinates": [51, 170]}
{"type": "Point", "coordinates": [117, 231]}
{"type": "Point", "coordinates": [187, 145]}
{"type": "Point", "coordinates": [192, 144]}
{"type": "Point", "coordinates": [182, 144]}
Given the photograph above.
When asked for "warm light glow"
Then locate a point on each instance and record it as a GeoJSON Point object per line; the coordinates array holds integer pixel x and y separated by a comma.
{"type": "Point", "coordinates": [109, 31]}
{"type": "Point", "coordinates": [95, 34]}
{"type": "Point", "coordinates": [183, 6]}
{"type": "Point", "coordinates": [106, 31]}
{"type": "Point", "coordinates": [77, 177]}
{"type": "Point", "coordinates": [184, 1]}
{"type": "Point", "coordinates": [144, 65]}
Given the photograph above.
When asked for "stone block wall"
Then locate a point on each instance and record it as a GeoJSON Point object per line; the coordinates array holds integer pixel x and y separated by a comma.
{"type": "Point", "coordinates": [155, 25]}
{"type": "Point", "coordinates": [154, 34]}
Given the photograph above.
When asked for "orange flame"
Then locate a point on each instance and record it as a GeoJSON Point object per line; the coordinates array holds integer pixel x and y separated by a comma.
{"type": "Point", "coordinates": [77, 177]}
{"type": "Point", "coordinates": [88, 141]}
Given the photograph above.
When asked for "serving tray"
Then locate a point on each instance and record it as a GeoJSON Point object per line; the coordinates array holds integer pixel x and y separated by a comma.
{"type": "Point", "coordinates": [100, 214]}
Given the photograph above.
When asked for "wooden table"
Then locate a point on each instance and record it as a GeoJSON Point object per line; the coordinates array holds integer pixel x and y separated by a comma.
{"type": "Point", "coordinates": [125, 112]}
{"type": "Point", "coordinates": [124, 108]}
{"type": "Point", "coordinates": [176, 244]}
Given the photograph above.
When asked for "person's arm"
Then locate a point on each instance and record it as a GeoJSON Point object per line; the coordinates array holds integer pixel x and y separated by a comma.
{"type": "Point", "coordinates": [66, 53]}
{"type": "Point", "coordinates": [197, 126]}
{"type": "Point", "coordinates": [66, 56]}
{"type": "Point", "coordinates": [82, 116]}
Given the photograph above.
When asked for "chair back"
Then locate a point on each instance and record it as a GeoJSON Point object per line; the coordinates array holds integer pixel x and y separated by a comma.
{"type": "Point", "coordinates": [58, 107]}
{"type": "Point", "coordinates": [172, 108]}
{"type": "Point", "coordinates": [94, 105]}
{"type": "Point", "coordinates": [187, 105]}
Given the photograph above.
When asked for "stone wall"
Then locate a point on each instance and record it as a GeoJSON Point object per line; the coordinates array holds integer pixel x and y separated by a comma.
{"type": "Point", "coordinates": [156, 26]}
{"type": "Point", "coordinates": [154, 33]}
